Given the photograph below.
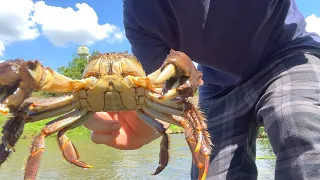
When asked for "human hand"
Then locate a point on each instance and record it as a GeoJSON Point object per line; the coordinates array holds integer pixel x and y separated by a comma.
{"type": "Point", "coordinates": [121, 130]}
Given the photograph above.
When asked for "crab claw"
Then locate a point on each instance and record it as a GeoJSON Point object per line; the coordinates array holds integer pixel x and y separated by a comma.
{"type": "Point", "coordinates": [179, 75]}
{"type": "Point", "coordinates": [27, 76]}
{"type": "Point", "coordinates": [18, 79]}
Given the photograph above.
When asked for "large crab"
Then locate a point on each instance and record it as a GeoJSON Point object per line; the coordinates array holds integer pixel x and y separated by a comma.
{"type": "Point", "coordinates": [111, 82]}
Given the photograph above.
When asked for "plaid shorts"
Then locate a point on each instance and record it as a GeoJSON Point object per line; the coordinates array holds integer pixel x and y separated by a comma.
{"type": "Point", "coordinates": [284, 98]}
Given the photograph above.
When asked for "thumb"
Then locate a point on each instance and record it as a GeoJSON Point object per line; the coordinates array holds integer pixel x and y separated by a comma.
{"type": "Point", "coordinates": [102, 123]}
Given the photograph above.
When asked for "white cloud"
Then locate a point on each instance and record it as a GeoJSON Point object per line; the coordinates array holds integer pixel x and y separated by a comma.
{"type": "Point", "coordinates": [64, 25]}
{"type": "Point", "coordinates": [25, 20]}
{"type": "Point", "coordinates": [15, 23]}
{"type": "Point", "coordinates": [313, 24]}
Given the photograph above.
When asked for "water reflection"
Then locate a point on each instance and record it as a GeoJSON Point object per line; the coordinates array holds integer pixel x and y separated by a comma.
{"type": "Point", "coordinates": [113, 164]}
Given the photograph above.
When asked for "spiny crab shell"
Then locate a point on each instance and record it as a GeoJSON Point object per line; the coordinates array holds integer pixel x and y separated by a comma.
{"type": "Point", "coordinates": [110, 82]}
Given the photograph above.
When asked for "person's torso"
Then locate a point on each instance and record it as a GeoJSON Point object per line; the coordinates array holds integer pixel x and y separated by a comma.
{"type": "Point", "coordinates": [231, 39]}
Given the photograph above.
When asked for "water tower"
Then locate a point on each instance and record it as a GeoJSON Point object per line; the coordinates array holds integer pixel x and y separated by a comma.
{"type": "Point", "coordinates": [83, 51]}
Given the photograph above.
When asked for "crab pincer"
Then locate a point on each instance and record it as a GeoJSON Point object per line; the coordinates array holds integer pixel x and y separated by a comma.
{"type": "Point", "coordinates": [179, 76]}
{"type": "Point", "coordinates": [180, 80]}
{"type": "Point", "coordinates": [18, 79]}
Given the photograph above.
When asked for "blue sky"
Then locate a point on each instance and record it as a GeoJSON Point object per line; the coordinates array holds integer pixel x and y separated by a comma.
{"type": "Point", "coordinates": [47, 41]}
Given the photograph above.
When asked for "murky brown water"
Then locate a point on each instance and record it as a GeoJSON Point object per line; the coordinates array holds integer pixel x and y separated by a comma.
{"type": "Point", "coordinates": [111, 164]}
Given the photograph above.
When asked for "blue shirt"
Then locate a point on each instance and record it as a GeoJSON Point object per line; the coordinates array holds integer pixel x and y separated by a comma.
{"type": "Point", "coordinates": [229, 39]}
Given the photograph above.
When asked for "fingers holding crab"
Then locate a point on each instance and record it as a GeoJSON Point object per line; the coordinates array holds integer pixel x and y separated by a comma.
{"type": "Point", "coordinates": [178, 75]}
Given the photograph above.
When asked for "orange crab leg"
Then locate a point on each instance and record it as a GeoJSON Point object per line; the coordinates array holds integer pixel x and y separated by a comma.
{"type": "Point", "coordinates": [31, 112]}
{"type": "Point", "coordinates": [45, 105]}
{"type": "Point", "coordinates": [201, 147]}
{"type": "Point", "coordinates": [40, 115]}
{"type": "Point", "coordinates": [69, 151]}
{"type": "Point", "coordinates": [38, 144]}
{"type": "Point", "coordinates": [202, 159]}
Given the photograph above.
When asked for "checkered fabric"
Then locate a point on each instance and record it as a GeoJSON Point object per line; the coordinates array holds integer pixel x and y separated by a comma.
{"type": "Point", "coordinates": [284, 98]}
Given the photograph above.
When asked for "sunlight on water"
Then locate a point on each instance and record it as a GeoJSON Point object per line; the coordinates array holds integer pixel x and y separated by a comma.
{"type": "Point", "coordinates": [113, 164]}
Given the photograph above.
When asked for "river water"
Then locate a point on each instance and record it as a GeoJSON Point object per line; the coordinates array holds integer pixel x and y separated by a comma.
{"type": "Point", "coordinates": [111, 164]}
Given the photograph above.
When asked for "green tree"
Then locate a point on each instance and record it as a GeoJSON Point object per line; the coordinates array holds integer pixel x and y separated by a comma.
{"type": "Point", "coordinates": [75, 68]}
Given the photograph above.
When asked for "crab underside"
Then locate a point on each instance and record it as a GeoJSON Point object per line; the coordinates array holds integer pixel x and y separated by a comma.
{"type": "Point", "coordinates": [111, 82]}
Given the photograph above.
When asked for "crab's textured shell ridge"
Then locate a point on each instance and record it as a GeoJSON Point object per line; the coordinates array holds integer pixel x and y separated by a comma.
{"type": "Point", "coordinates": [117, 63]}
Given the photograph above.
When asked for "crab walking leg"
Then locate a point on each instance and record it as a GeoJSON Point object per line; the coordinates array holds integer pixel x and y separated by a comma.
{"type": "Point", "coordinates": [202, 147]}
{"type": "Point", "coordinates": [164, 145]}
{"type": "Point", "coordinates": [69, 151]}
{"type": "Point", "coordinates": [199, 130]}
{"type": "Point", "coordinates": [159, 115]}
{"type": "Point", "coordinates": [30, 112]}
{"type": "Point", "coordinates": [190, 135]}
{"type": "Point", "coordinates": [40, 115]}
{"type": "Point", "coordinates": [165, 109]}
{"type": "Point", "coordinates": [12, 130]}
{"type": "Point", "coordinates": [38, 145]}
{"type": "Point", "coordinates": [201, 119]}
{"type": "Point", "coordinates": [201, 159]}
{"type": "Point", "coordinates": [198, 141]}
{"type": "Point", "coordinates": [196, 117]}
{"type": "Point", "coordinates": [41, 106]}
